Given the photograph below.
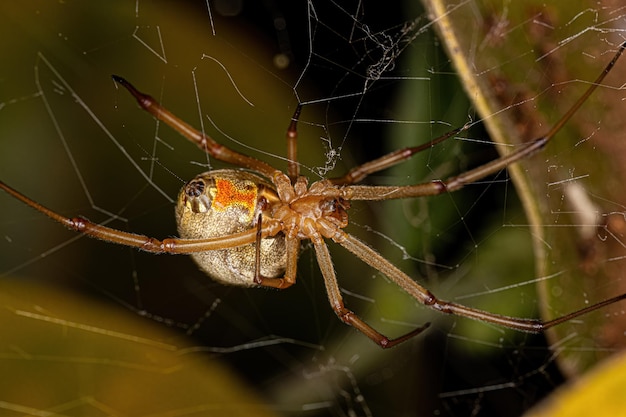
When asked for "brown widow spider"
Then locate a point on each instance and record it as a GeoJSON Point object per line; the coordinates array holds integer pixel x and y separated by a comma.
{"type": "Point", "coordinates": [245, 228]}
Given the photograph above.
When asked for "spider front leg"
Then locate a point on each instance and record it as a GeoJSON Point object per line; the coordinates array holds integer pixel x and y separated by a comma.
{"type": "Point", "coordinates": [202, 140]}
{"type": "Point", "coordinates": [360, 172]}
{"type": "Point", "coordinates": [347, 316]}
{"type": "Point", "coordinates": [356, 192]}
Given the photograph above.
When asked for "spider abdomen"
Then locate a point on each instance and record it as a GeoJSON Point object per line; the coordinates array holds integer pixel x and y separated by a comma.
{"type": "Point", "coordinates": [223, 202]}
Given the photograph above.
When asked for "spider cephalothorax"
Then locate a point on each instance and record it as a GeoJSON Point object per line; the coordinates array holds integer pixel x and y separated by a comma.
{"type": "Point", "coordinates": [310, 212]}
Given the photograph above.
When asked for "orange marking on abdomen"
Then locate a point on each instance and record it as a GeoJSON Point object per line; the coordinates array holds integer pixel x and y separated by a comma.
{"type": "Point", "coordinates": [228, 194]}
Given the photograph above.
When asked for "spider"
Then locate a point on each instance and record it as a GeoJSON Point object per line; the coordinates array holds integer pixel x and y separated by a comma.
{"type": "Point", "coordinates": [244, 226]}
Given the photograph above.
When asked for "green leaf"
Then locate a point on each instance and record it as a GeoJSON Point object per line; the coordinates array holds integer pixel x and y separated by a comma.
{"type": "Point", "coordinates": [524, 64]}
{"type": "Point", "coordinates": [600, 392]}
{"type": "Point", "coordinates": [63, 354]}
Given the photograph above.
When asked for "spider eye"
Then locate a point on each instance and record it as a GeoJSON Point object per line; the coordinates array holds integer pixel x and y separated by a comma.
{"type": "Point", "coordinates": [196, 199]}
{"type": "Point", "coordinates": [195, 188]}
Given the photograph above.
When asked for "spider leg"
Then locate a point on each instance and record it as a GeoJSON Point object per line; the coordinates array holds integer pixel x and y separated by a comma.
{"type": "Point", "coordinates": [421, 294]}
{"type": "Point", "coordinates": [360, 172]}
{"type": "Point", "coordinates": [289, 278]}
{"type": "Point", "coordinates": [293, 167]}
{"type": "Point", "coordinates": [203, 141]}
{"type": "Point", "coordinates": [347, 316]}
{"type": "Point", "coordinates": [363, 192]}
{"type": "Point", "coordinates": [173, 245]}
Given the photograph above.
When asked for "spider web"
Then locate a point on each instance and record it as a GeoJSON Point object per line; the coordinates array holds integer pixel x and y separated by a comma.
{"type": "Point", "coordinates": [99, 329]}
